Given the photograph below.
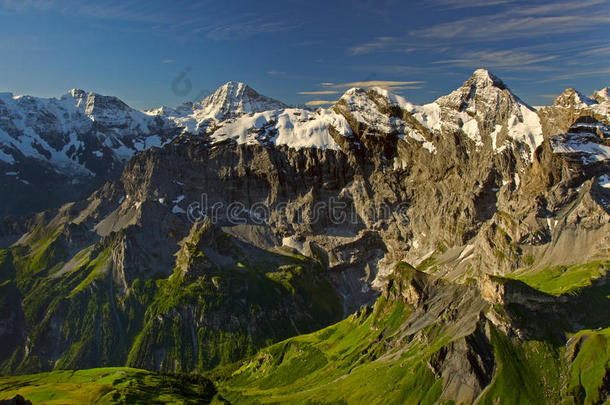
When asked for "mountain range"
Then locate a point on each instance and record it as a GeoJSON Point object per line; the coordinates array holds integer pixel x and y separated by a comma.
{"type": "Point", "coordinates": [70, 146]}
{"type": "Point", "coordinates": [376, 250]}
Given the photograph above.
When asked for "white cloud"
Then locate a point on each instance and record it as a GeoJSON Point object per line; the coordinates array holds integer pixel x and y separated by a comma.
{"type": "Point", "coordinates": [376, 83]}
{"type": "Point", "coordinates": [319, 102]}
{"type": "Point", "coordinates": [520, 20]}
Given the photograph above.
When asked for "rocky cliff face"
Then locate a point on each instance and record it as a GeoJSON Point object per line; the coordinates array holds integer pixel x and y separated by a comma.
{"type": "Point", "coordinates": [272, 223]}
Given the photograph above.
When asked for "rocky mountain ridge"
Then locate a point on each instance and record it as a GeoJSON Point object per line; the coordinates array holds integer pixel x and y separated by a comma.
{"type": "Point", "coordinates": [69, 146]}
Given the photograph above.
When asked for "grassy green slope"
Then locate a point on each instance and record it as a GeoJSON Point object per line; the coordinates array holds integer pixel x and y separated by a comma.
{"type": "Point", "coordinates": [362, 360]}
{"type": "Point", "coordinates": [557, 280]}
{"type": "Point", "coordinates": [339, 364]}
{"type": "Point", "coordinates": [589, 369]}
{"type": "Point", "coordinates": [77, 317]}
{"type": "Point", "coordinates": [108, 386]}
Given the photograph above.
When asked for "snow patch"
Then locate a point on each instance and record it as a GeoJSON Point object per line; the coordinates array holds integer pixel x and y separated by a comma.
{"type": "Point", "coordinates": [429, 146]}
{"type": "Point", "coordinates": [527, 130]}
{"type": "Point", "coordinates": [583, 144]}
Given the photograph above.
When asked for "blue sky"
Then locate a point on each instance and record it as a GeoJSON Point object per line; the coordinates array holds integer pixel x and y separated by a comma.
{"type": "Point", "coordinates": [148, 52]}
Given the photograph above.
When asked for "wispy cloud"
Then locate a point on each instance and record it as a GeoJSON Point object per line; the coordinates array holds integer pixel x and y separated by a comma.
{"type": "Point", "coordinates": [327, 84]}
{"type": "Point", "coordinates": [167, 61]}
{"type": "Point", "coordinates": [522, 21]}
{"type": "Point", "coordinates": [318, 92]}
{"type": "Point", "coordinates": [516, 60]}
{"type": "Point", "coordinates": [579, 73]}
{"type": "Point", "coordinates": [468, 3]}
{"type": "Point", "coordinates": [557, 7]}
{"type": "Point", "coordinates": [377, 44]}
{"type": "Point", "coordinates": [377, 83]}
{"type": "Point", "coordinates": [205, 19]}
{"type": "Point", "coordinates": [319, 102]}
{"type": "Point", "coordinates": [244, 28]}
{"type": "Point", "coordinates": [141, 11]}
{"type": "Point", "coordinates": [598, 51]}
{"type": "Point", "coordinates": [499, 28]}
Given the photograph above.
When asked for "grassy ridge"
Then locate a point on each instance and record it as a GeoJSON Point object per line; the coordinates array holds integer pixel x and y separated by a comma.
{"type": "Point", "coordinates": [344, 363]}
{"type": "Point", "coordinates": [558, 280]}
{"type": "Point", "coordinates": [589, 369]}
{"type": "Point", "coordinates": [108, 386]}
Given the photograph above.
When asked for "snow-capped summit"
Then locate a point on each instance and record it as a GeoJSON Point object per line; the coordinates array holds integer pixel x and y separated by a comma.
{"type": "Point", "coordinates": [107, 110]}
{"type": "Point", "coordinates": [574, 99]}
{"type": "Point", "coordinates": [236, 98]}
{"type": "Point", "coordinates": [484, 78]}
{"type": "Point", "coordinates": [602, 96]}
{"type": "Point", "coordinates": [78, 134]}
{"type": "Point", "coordinates": [482, 91]}
{"type": "Point", "coordinates": [231, 100]}
{"type": "Point", "coordinates": [372, 109]}
{"type": "Point", "coordinates": [77, 93]}
{"type": "Point", "coordinates": [484, 108]}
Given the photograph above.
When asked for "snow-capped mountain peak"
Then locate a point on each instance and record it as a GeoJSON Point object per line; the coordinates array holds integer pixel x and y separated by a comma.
{"type": "Point", "coordinates": [484, 107]}
{"type": "Point", "coordinates": [484, 78]}
{"type": "Point", "coordinates": [573, 98]}
{"type": "Point", "coordinates": [482, 89]}
{"type": "Point", "coordinates": [371, 108]}
{"type": "Point", "coordinates": [78, 134]}
{"type": "Point", "coordinates": [236, 98]}
{"type": "Point", "coordinates": [231, 100]}
{"type": "Point", "coordinates": [602, 96]}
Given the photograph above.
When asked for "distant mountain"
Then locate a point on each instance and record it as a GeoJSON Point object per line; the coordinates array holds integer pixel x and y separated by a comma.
{"type": "Point", "coordinates": [231, 100]}
{"type": "Point", "coordinates": [65, 148]}
{"type": "Point", "coordinates": [573, 98]}
{"type": "Point", "coordinates": [602, 96]}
